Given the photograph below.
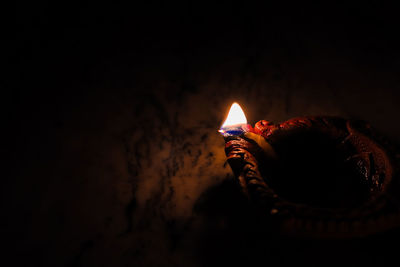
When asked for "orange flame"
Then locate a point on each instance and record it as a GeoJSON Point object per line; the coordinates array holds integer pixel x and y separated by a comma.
{"type": "Point", "coordinates": [235, 117]}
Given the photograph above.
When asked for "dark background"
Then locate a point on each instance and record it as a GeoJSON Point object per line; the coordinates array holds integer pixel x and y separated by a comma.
{"type": "Point", "coordinates": [111, 111]}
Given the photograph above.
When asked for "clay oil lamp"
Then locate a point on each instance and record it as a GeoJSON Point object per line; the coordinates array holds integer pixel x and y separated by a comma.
{"type": "Point", "coordinates": [321, 176]}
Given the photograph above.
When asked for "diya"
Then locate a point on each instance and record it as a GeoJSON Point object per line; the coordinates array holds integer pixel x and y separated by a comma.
{"type": "Point", "coordinates": [324, 177]}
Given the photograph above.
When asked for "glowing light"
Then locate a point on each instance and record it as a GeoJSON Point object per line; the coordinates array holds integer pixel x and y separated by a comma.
{"type": "Point", "coordinates": [235, 117]}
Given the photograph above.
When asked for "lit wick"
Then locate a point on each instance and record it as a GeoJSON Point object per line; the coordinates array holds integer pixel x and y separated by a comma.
{"type": "Point", "coordinates": [235, 123]}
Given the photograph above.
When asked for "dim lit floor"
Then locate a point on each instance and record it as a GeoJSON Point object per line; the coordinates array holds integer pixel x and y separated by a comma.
{"type": "Point", "coordinates": [116, 158]}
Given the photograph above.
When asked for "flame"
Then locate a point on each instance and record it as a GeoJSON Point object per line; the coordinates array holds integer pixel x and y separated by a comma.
{"type": "Point", "coordinates": [235, 117]}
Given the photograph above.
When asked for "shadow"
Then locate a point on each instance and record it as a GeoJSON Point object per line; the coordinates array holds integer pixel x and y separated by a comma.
{"type": "Point", "coordinates": [232, 233]}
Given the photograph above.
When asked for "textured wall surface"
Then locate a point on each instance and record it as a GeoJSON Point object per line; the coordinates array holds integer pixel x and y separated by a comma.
{"type": "Point", "coordinates": [116, 156]}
